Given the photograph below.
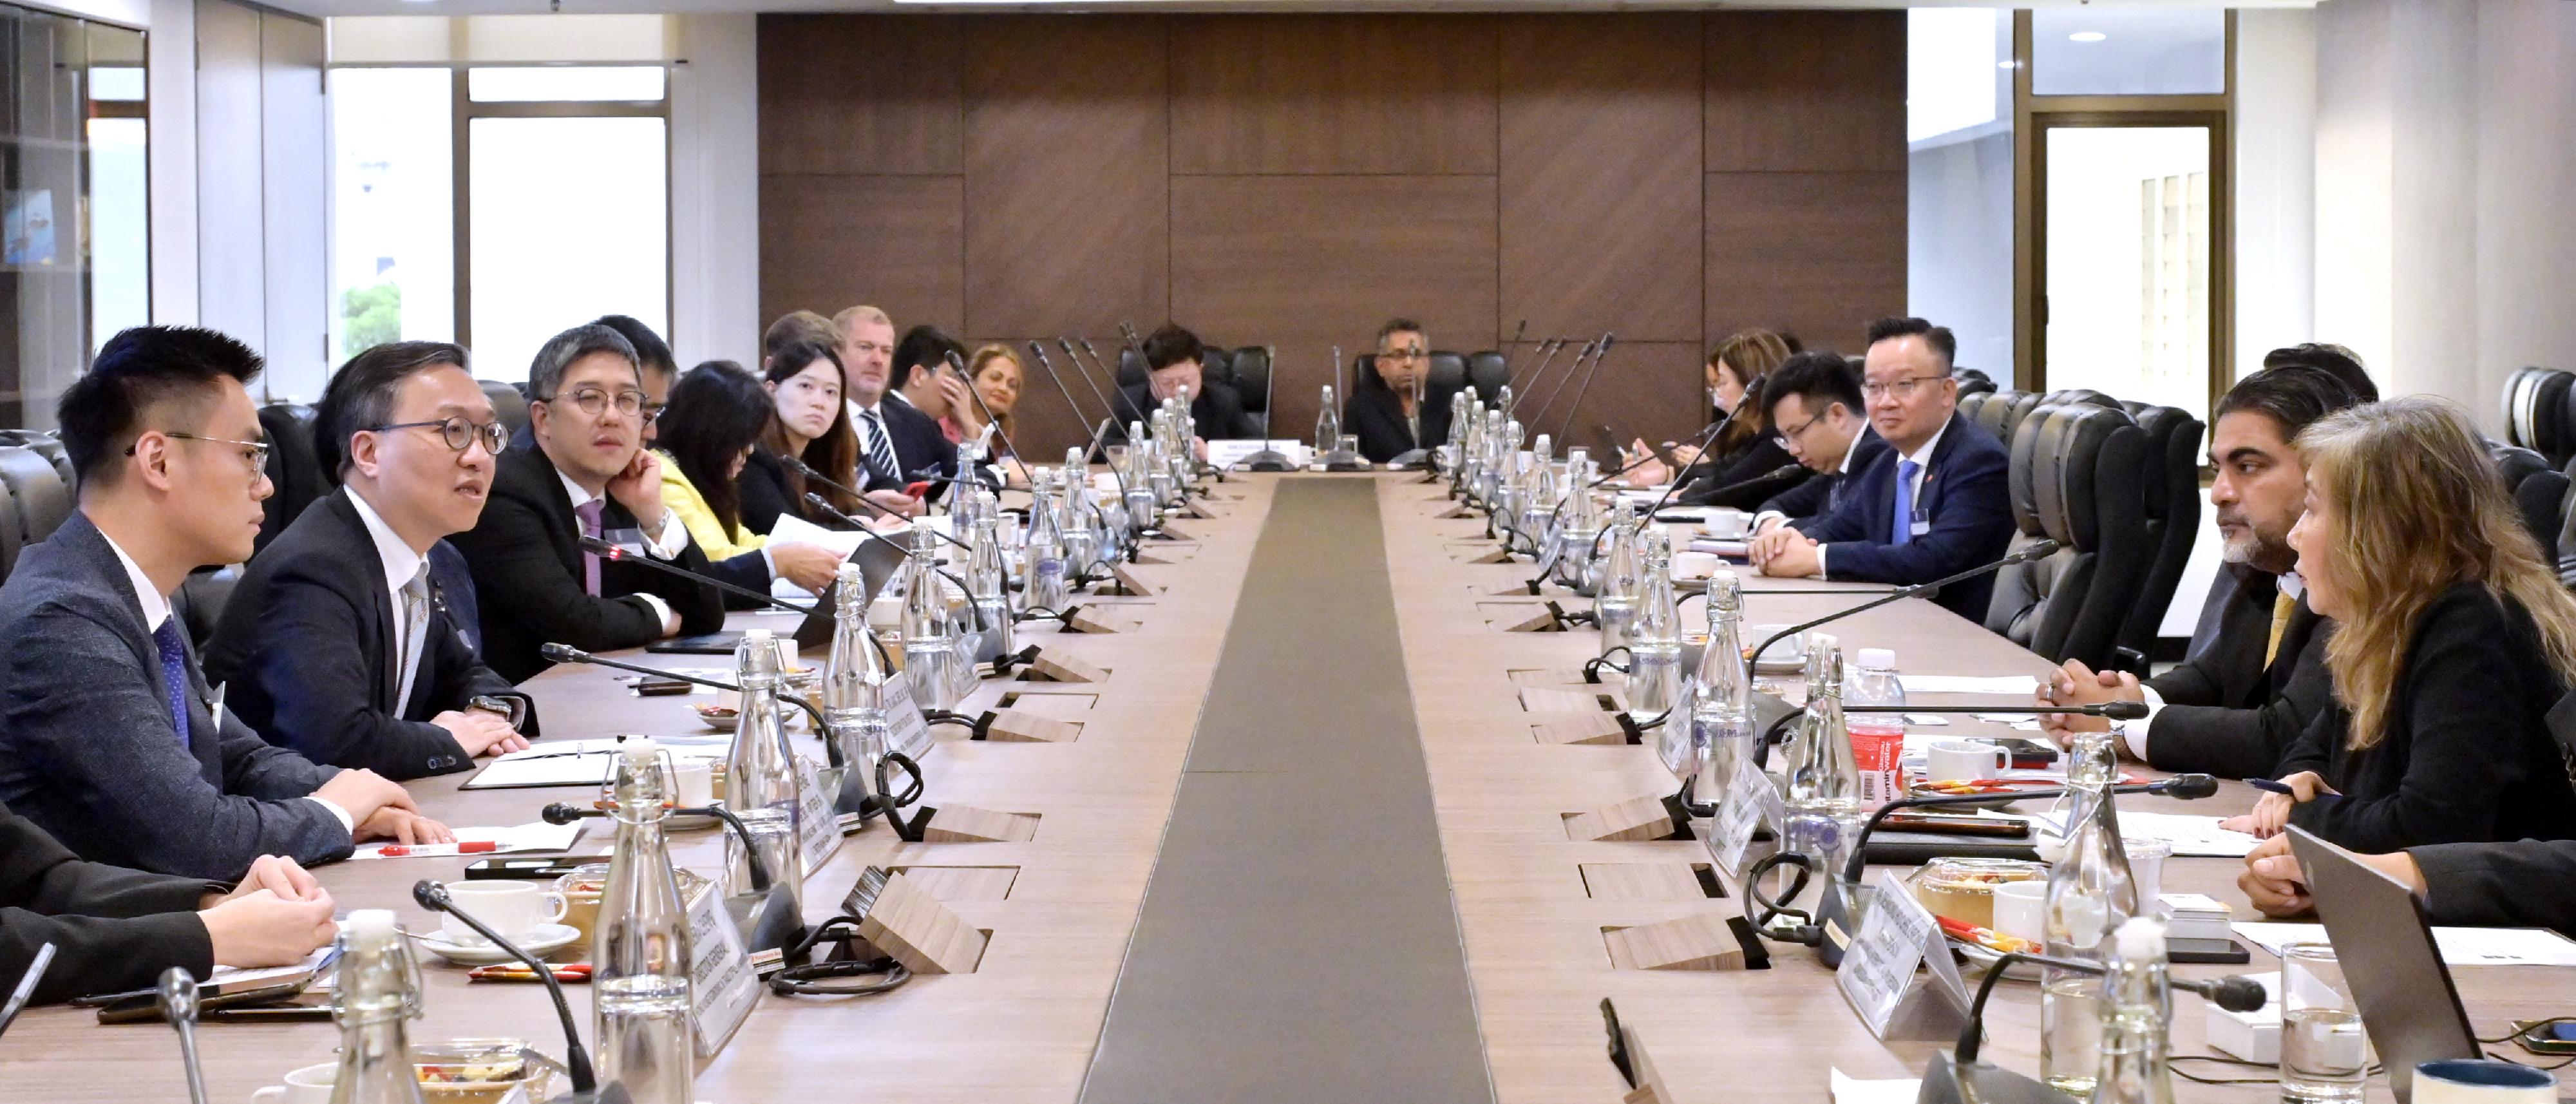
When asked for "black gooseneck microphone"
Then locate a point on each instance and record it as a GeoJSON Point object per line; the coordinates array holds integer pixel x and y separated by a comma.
{"type": "Point", "coordinates": [813, 499]}
{"type": "Point", "coordinates": [1268, 459]}
{"type": "Point", "coordinates": [817, 501]}
{"type": "Point", "coordinates": [37, 964]}
{"type": "Point", "coordinates": [2037, 550]}
{"type": "Point", "coordinates": [1676, 484]}
{"type": "Point", "coordinates": [1782, 472]}
{"type": "Point", "coordinates": [177, 996]}
{"type": "Point", "coordinates": [566, 653]}
{"type": "Point", "coordinates": [1057, 378]}
{"type": "Point", "coordinates": [1512, 348]}
{"type": "Point", "coordinates": [1558, 510]}
{"type": "Point", "coordinates": [1960, 1077]}
{"type": "Point", "coordinates": [1572, 368]}
{"type": "Point", "coordinates": [1547, 350]}
{"type": "Point", "coordinates": [585, 1086]}
{"type": "Point", "coordinates": [1108, 403]}
{"type": "Point", "coordinates": [610, 552]}
{"type": "Point", "coordinates": [764, 913]}
{"type": "Point", "coordinates": [1566, 427]}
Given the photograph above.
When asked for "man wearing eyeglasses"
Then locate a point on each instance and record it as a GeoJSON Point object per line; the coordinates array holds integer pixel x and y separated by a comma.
{"type": "Point", "coordinates": [361, 668]}
{"type": "Point", "coordinates": [1391, 407]}
{"type": "Point", "coordinates": [1816, 416]}
{"type": "Point", "coordinates": [1935, 504]}
{"type": "Point", "coordinates": [588, 476]}
{"type": "Point", "coordinates": [111, 738]}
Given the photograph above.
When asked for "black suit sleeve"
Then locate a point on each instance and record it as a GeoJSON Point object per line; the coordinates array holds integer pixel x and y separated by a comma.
{"type": "Point", "coordinates": [2463, 713]}
{"type": "Point", "coordinates": [763, 487]}
{"type": "Point", "coordinates": [699, 606]}
{"type": "Point", "coordinates": [461, 677]}
{"type": "Point", "coordinates": [311, 661]}
{"type": "Point", "coordinates": [1802, 502]}
{"type": "Point", "coordinates": [749, 570]}
{"type": "Point", "coordinates": [1226, 409]}
{"type": "Point", "coordinates": [2241, 743]}
{"type": "Point", "coordinates": [518, 577]}
{"type": "Point", "coordinates": [1373, 416]}
{"type": "Point", "coordinates": [113, 929]}
{"type": "Point", "coordinates": [2527, 884]}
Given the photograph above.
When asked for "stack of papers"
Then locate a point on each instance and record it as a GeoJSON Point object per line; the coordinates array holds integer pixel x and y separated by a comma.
{"type": "Point", "coordinates": [535, 836]}
{"type": "Point", "coordinates": [582, 762]}
{"type": "Point", "coordinates": [2459, 946]}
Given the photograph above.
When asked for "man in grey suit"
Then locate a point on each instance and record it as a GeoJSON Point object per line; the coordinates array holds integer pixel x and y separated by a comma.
{"type": "Point", "coordinates": [110, 739]}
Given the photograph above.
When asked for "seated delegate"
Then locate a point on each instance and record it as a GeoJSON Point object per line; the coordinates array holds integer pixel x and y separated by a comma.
{"type": "Point", "coordinates": [111, 739]}
{"type": "Point", "coordinates": [1934, 505]}
{"type": "Point", "coordinates": [808, 423]}
{"type": "Point", "coordinates": [115, 930]}
{"type": "Point", "coordinates": [587, 476]}
{"type": "Point", "coordinates": [1813, 404]}
{"type": "Point", "coordinates": [717, 414]}
{"type": "Point", "coordinates": [1743, 447]}
{"type": "Point", "coordinates": [2256, 673]}
{"type": "Point", "coordinates": [364, 668]}
{"type": "Point", "coordinates": [1391, 407]}
{"type": "Point", "coordinates": [2452, 643]}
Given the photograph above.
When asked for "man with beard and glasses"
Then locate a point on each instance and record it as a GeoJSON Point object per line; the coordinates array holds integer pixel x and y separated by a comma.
{"type": "Point", "coordinates": [2256, 672]}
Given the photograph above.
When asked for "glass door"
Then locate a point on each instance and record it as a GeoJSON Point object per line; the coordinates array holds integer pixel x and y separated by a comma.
{"type": "Point", "coordinates": [2128, 222]}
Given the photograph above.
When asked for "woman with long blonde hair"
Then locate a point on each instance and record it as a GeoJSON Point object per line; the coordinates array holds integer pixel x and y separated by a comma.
{"type": "Point", "coordinates": [2452, 642]}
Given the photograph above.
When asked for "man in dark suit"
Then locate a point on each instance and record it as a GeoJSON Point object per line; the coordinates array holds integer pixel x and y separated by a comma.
{"type": "Point", "coordinates": [363, 668]}
{"type": "Point", "coordinates": [1383, 409]}
{"type": "Point", "coordinates": [1174, 360]}
{"type": "Point", "coordinates": [588, 475]}
{"type": "Point", "coordinates": [894, 438]}
{"type": "Point", "coordinates": [1816, 415]}
{"type": "Point", "coordinates": [1935, 504]}
{"type": "Point", "coordinates": [115, 930]}
{"type": "Point", "coordinates": [919, 403]}
{"type": "Point", "coordinates": [110, 738]}
{"type": "Point", "coordinates": [2256, 674]}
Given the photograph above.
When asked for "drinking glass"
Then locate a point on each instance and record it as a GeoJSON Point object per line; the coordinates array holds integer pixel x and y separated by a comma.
{"type": "Point", "coordinates": [2324, 1051]}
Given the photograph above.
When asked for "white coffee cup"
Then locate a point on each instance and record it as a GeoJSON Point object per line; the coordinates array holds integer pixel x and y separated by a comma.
{"type": "Point", "coordinates": [1727, 524]}
{"type": "Point", "coordinates": [310, 1085]}
{"type": "Point", "coordinates": [2482, 1081]}
{"type": "Point", "coordinates": [1790, 649]}
{"type": "Point", "coordinates": [510, 908]}
{"type": "Point", "coordinates": [1695, 565]}
{"type": "Point", "coordinates": [693, 782]}
{"type": "Point", "coordinates": [2018, 908]}
{"type": "Point", "coordinates": [1964, 760]}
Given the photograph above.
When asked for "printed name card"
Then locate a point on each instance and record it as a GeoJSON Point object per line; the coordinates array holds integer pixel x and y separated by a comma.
{"type": "Point", "coordinates": [818, 829]}
{"type": "Point", "coordinates": [906, 731]}
{"type": "Point", "coordinates": [722, 987]}
{"type": "Point", "coordinates": [1750, 799]}
{"type": "Point", "coordinates": [1898, 934]}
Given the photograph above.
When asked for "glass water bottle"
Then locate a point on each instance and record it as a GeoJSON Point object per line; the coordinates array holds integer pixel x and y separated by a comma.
{"type": "Point", "coordinates": [376, 989]}
{"type": "Point", "coordinates": [2090, 894]}
{"type": "Point", "coordinates": [761, 785]}
{"type": "Point", "coordinates": [640, 945]}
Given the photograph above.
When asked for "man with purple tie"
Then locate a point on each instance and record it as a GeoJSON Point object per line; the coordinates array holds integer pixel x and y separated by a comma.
{"type": "Point", "coordinates": [110, 738]}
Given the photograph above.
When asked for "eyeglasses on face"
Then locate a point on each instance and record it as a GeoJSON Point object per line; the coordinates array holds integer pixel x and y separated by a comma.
{"type": "Point", "coordinates": [1403, 355]}
{"type": "Point", "coordinates": [457, 432]}
{"type": "Point", "coordinates": [254, 453]}
{"type": "Point", "coordinates": [1902, 389]}
{"type": "Point", "coordinates": [1789, 435]}
{"type": "Point", "coordinates": [595, 401]}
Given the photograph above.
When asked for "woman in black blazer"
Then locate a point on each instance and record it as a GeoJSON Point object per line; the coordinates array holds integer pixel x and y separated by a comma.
{"type": "Point", "coordinates": [2453, 641]}
{"type": "Point", "coordinates": [811, 423]}
{"type": "Point", "coordinates": [1743, 469]}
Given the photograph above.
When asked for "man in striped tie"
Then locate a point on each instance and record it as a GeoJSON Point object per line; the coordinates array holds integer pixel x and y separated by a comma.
{"type": "Point", "coordinates": [889, 432]}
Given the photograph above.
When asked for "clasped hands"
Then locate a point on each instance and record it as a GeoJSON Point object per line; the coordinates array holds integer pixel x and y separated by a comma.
{"type": "Point", "coordinates": [1783, 552]}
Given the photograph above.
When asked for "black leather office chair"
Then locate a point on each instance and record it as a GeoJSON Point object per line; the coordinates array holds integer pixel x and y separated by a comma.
{"type": "Point", "coordinates": [293, 470]}
{"type": "Point", "coordinates": [2521, 401]}
{"type": "Point", "coordinates": [1970, 402]}
{"type": "Point", "coordinates": [2514, 464]}
{"type": "Point", "coordinates": [1487, 372]}
{"type": "Point", "coordinates": [1988, 411]}
{"type": "Point", "coordinates": [1973, 382]}
{"type": "Point", "coordinates": [2008, 420]}
{"type": "Point", "coordinates": [44, 500]}
{"type": "Point", "coordinates": [1131, 367]}
{"type": "Point", "coordinates": [2542, 498]}
{"type": "Point", "coordinates": [1252, 384]}
{"type": "Point", "coordinates": [2075, 479]}
{"type": "Point", "coordinates": [45, 444]}
{"type": "Point", "coordinates": [508, 404]}
{"type": "Point", "coordinates": [1217, 366]}
{"type": "Point", "coordinates": [2170, 492]}
{"type": "Point", "coordinates": [2552, 435]}
{"type": "Point", "coordinates": [13, 531]}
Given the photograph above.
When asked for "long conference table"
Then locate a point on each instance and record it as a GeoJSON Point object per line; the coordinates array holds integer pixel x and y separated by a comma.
{"type": "Point", "coordinates": [1309, 844]}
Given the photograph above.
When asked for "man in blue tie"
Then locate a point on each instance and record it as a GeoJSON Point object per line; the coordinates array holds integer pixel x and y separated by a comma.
{"type": "Point", "coordinates": [110, 738]}
{"type": "Point", "coordinates": [1935, 503]}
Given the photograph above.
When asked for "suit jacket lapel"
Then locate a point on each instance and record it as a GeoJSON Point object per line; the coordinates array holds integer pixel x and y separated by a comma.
{"type": "Point", "coordinates": [81, 536]}
{"type": "Point", "coordinates": [375, 599]}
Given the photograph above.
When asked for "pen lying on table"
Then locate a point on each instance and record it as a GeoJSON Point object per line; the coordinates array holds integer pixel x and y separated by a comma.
{"type": "Point", "coordinates": [568, 973]}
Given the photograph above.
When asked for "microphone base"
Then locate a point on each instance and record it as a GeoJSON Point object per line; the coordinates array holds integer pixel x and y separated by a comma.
{"type": "Point", "coordinates": [1266, 460]}
{"type": "Point", "coordinates": [605, 1094]}
{"type": "Point", "coordinates": [1838, 920]}
{"type": "Point", "coordinates": [1410, 460]}
{"type": "Point", "coordinates": [1946, 1081]}
{"type": "Point", "coordinates": [768, 920]}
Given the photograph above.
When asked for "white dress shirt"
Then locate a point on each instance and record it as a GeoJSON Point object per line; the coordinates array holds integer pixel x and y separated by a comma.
{"type": "Point", "coordinates": [156, 609]}
{"type": "Point", "coordinates": [401, 564]}
{"type": "Point", "coordinates": [665, 545]}
{"type": "Point", "coordinates": [867, 433]}
{"type": "Point", "coordinates": [1922, 458]}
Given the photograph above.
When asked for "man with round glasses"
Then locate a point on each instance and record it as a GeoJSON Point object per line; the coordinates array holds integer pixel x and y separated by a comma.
{"type": "Point", "coordinates": [587, 476]}
{"type": "Point", "coordinates": [366, 668]}
{"type": "Point", "coordinates": [1392, 407]}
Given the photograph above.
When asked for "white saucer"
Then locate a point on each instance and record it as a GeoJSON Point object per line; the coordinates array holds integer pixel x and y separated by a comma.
{"type": "Point", "coordinates": [542, 940]}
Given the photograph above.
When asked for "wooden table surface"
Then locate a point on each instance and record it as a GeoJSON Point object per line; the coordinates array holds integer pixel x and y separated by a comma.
{"type": "Point", "coordinates": [1023, 1026]}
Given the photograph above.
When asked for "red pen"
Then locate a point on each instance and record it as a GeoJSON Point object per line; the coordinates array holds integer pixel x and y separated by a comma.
{"type": "Point", "coordinates": [476, 847]}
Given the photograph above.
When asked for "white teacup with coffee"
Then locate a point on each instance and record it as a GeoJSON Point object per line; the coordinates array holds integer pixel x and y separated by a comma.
{"type": "Point", "coordinates": [512, 909]}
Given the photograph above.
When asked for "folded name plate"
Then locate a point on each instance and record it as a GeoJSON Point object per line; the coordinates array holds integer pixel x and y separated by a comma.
{"type": "Point", "coordinates": [1878, 971]}
{"type": "Point", "coordinates": [722, 986]}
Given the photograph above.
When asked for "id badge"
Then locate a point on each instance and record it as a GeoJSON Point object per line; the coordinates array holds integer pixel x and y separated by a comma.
{"type": "Point", "coordinates": [1920, 524]}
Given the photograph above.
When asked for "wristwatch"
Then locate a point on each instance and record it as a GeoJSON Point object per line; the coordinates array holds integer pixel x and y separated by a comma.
{"type": "Point", "coordinates": [509, 708]}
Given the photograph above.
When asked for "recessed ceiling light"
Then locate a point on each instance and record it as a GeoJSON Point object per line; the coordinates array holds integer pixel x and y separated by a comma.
{"type": "Point", "coordinates": [2087, 36]}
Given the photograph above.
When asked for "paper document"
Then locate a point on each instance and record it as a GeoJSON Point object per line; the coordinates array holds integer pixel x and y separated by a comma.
{"type": "Point", "coordinates": [2190, 835]}
{"type": "Point", "coordinates": [582, 762]}
{"type": "Point", "coordinates": [1232, 451]}
{"type": "Point", "coordinates": [2460, 946]}
{"type": "Point", "coordinates": [2022, 686]}
{"type": "Point", "coordinates": [240, 978]}
{"type": "Point", "coordinates": [533, 836]}
{"type": "Point", "coordinates": [1891, 1090]}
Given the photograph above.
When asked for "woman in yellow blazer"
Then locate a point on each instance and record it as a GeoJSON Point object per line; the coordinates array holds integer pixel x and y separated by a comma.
{"type": "Point", "coordinates": [717, 411]}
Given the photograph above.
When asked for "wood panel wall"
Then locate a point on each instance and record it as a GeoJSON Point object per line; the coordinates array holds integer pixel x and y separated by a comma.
{"type": "Point", "coordinates": [1295, 180]}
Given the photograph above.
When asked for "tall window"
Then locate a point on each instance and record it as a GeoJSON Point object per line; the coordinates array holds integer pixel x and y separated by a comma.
{"type": "Point", "coordinates": [75, 266]}
{"type": "Point", "coordinates": [497, 205]}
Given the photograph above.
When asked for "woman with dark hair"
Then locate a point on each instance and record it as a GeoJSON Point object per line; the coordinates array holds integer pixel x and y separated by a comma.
{"type": "Point", "coordinates": [716, 414]}
{"type": "Point", "coordinates": [1730, 471]}
{"type": "Point", "coordinates": [807, 420]}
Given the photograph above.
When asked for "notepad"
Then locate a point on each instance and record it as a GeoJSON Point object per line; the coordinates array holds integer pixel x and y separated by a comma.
{"type": "Point", "coordinates": [533, 836]}
{"type": "Point", "coordinates": [2460, 946]}
{"type": "Point", "coordinates": [2189, 835]}
{"type": "Point", "coordinates": [581, 762]}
